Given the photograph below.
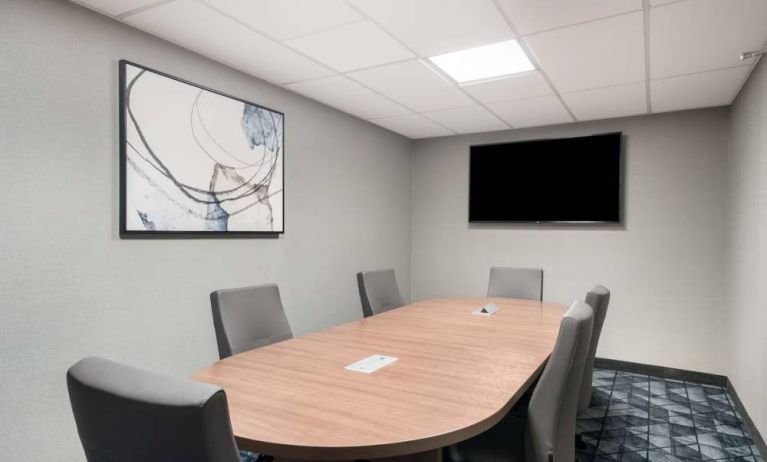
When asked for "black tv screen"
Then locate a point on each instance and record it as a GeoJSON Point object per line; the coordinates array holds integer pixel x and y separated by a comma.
{"type": "Point", "coordinates": [553, 180]}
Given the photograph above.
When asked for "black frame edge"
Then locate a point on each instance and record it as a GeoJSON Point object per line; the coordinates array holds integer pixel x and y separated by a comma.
{"type": "Point", "coordinates": [121, 143]}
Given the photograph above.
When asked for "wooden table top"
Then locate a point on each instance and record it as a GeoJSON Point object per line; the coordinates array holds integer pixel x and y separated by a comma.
{"type": "Point", "coordinates": [456, 376]}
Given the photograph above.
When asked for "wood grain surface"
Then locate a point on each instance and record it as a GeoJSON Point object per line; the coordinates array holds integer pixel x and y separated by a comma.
{"type": "Point", "coordinates": [456, 376]}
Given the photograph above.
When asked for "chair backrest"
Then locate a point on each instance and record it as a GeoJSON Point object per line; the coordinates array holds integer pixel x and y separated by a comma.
{"type": "Point", "coordinates": [551, 414]}
{"type": "Point", "coordinates": [248, 318]}
{"type": "Point", "coordinates": [378, 291]}
{"type": "Point", "coordinates": [127, 414]}
{"type": "Point", "coordinates": [598, 298]}
{"type": "Point", "coordinates": [525, 283]}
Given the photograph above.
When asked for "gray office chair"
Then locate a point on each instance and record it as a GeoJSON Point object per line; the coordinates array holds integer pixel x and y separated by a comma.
{"type": "Point", "coordinates": [378, 291]}
{"type": "Point", "coordinates": [525, 283]}
{"type": "Point", "coordinates": [127, 414]}
{"type": "Point", "coordinates": [248, 318]}
{"type": "Point", "coordinates": [548, 432]}
{"type": "Point", "coordinates": [597, 298]}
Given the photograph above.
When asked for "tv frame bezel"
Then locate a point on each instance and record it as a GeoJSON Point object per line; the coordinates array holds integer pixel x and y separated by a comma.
{"type": "Point", "coordinates": [621, 188]}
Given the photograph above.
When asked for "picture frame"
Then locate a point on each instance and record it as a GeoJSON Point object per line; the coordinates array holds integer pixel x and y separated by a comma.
{"type": "Point", "coordinates": [196, 162]}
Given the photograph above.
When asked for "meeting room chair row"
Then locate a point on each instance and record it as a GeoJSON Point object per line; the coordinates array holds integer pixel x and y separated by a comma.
{"type": "Point", "coordinates": [111, 400]}
{"type": "Point", "coordinates": [250, 317]}
{"type": "Point", "coordinates": [379, 291]}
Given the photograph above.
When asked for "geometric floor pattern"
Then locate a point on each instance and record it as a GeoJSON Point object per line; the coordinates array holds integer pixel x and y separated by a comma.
{"type": "Point", "coordinates": [638, 418]}
{"type": "Point", "coordinates": [247, 456]}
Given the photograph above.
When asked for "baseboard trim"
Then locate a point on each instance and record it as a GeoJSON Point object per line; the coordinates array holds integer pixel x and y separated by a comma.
{"type": "Point", "coordinates": [758, 438]}
{"type": "Point", "coordinates": [662, 371]}
{"type": "Point", "coordinates": [692, 376]}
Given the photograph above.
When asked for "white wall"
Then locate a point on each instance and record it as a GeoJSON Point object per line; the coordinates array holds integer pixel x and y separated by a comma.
{"type": "Point", "coordinates": [746, 312]}
{"type": "Point", "coordinates": [664, 268]}
{"type": "Point", "coordinates": [70, 287]}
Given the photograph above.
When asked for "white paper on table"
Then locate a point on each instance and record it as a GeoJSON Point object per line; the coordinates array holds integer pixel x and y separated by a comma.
{"type": "Point", "coordinates": [371, 364]}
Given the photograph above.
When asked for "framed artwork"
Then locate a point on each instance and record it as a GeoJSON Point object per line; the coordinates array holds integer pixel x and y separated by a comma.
{"type": "Point", "coordinates": [196, 162]}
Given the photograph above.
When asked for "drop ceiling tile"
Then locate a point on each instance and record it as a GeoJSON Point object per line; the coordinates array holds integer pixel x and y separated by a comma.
{"type": "Point", "coordinates": [353, 46]}
{"type": "Point", "coordinates": [593, 55]}
{"type": "Point", "coordinates": [414, 85]}
{"type": "Point", "coordinates": [467, 119]}
{"type": "Point", "coordinates": [532, 112]}
{"type": "Point", "coordinates": [701, 35]}
{"type": "Point", "coordinates": [432, 27]}
{"type": "Point", "coordinates": [349, 96]}
{"type": "Point", "coordinates": [511, 88]}
{"type": "Point", "coordinates": [284, 19]}
{"type": "Point", "coordinates": [706, 89]}
{"type": "Point", "coordinates": [413, 126]}
{"type": "Point", "coordinates": [607, 103]}
{"type": "Point", "coordinates": [536, 16]}
{"type": "Point", "coordinates": [115, 7]}
{"type": "Point", "coordinates": [200, 29]}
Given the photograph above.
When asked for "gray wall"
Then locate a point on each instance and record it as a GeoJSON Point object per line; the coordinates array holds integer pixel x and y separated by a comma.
{"type": "Point", "coordinates": [665, 267]}
{"type": "Point", "coordinates": [71, 288]}
{"type": "Point", "coordinates": [747, 248]}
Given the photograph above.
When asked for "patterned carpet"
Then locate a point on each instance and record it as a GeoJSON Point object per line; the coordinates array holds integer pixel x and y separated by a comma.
{"type": "Point", "coordinates": [636, 418]}
{"type": "Point", "coordinates": [247, 456]}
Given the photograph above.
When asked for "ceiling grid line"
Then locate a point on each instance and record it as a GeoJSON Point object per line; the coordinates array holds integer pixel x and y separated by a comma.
{"type": "Point", "coordinates": [614, 85]}
{"type": "Point", "coordinates": [274, 40]}
{"type": "Point", "coordinates": [262, 34]}
{"type": "Point", "coordinates": [704, 72]}
{"type": "Point", "coordinates": [528, 51]}
{"type": "Point", "coordinates": [334, 72]}
{"type": "Point", "coordinates": [320, 30]}
{"type": "Point", "coordinates": [366, 68]}
{"type": "Point", "coordinates": [581, 23]}
{"type": "Point", "coordinates": [647, 61]}
{"type": "Point", "coordinates": [447, 79]}
{"type": "Point", "coordinates": [372, 58]}
{"type": "Point", "coordinates": [142, 9]}
{"type": "Point", "coordinates": [671, 2]}
{"type": "Point", "coordinates": [432, 68]}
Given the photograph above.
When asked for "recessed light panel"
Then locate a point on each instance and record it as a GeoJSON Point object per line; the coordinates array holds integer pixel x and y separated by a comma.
{"type": "Point", "coordinates": [485, 62]}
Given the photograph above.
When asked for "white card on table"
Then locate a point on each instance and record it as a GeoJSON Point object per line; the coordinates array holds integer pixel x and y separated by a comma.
{"type": "Point", "coordinates": [371, 364]}
{"type": "Point", "coordinates": [486, 310]}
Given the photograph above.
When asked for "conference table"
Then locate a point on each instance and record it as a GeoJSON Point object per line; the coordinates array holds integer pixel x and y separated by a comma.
{"type": "Point", "coordinates": [456, 375]}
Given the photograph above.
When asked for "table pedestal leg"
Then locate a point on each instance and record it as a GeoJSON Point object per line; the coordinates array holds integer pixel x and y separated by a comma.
{"type": "Point", "coordinates": [435, 455]}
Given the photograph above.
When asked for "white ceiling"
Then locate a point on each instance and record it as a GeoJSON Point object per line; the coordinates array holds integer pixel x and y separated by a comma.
{"type": "Point", "coordinates": [595, 59]}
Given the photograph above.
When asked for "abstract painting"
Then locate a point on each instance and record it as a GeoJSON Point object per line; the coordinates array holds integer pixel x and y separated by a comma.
{"type": "Point", "coordinates": [195, 161]}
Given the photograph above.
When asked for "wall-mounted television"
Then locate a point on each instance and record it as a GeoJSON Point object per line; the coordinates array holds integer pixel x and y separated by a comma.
{"type": "Point", "coordinates": [564, 180]}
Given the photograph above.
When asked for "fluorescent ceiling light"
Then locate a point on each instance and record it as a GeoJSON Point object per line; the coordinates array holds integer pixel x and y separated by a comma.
{"type": "Point", "coordinates": [485, 62]}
